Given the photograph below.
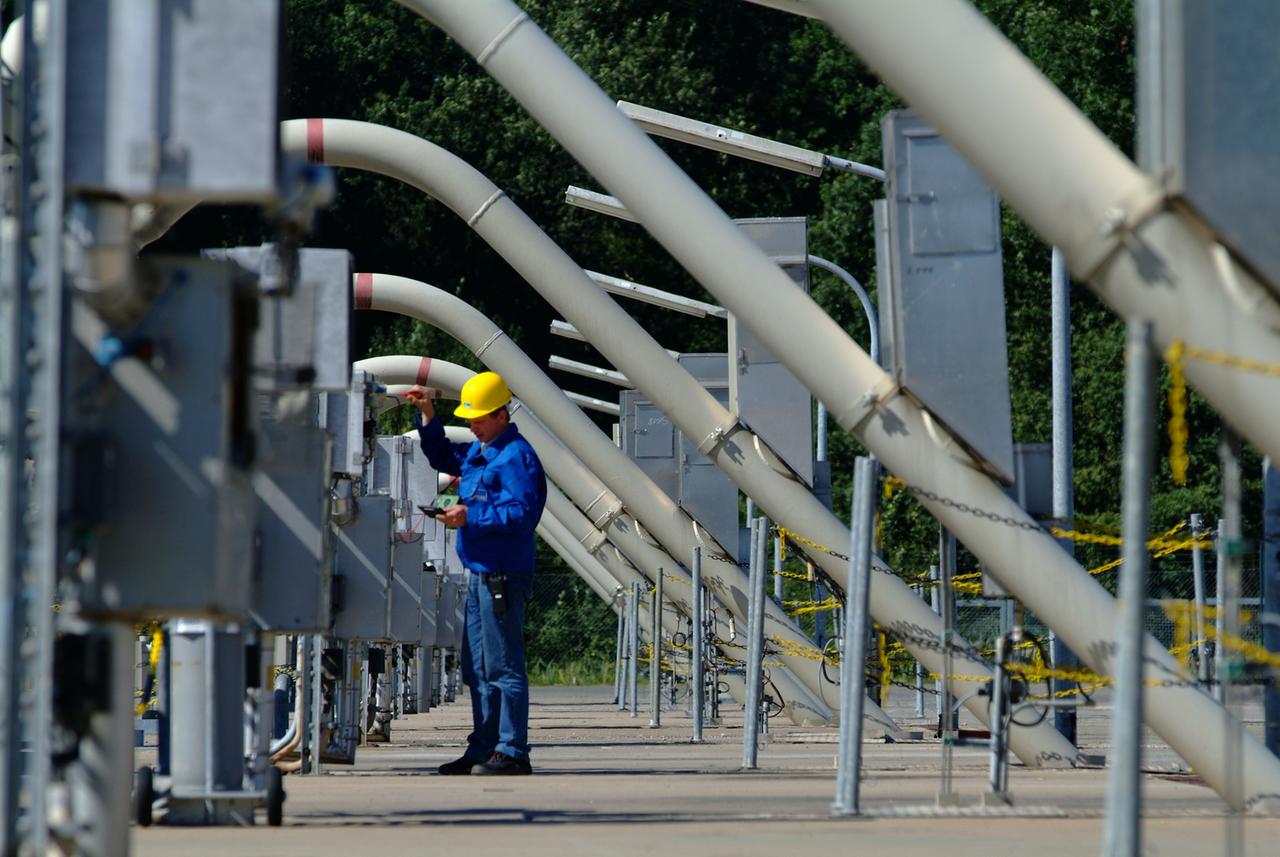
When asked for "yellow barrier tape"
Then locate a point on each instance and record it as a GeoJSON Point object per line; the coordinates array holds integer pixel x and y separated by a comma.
{"type": "Point", "coordinates": [1178, 434]}
{"type": "Point", "coordinates": [1232, 361]}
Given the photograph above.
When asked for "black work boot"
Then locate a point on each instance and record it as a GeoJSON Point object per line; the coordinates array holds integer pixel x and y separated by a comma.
{"type": "Point", "coordinates": [458, 767]}
{"type": "Point", "coordinates": [500, 765]}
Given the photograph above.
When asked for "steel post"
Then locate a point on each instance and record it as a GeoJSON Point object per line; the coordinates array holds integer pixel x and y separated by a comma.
{"type": "Point", "coordinates": [314, 764]}
{"type": "Point", "coordinates": [1231, 542]}
{"type": "Point", "coordinates": [655, 665]}
{"type": "Point", "coordinates": [1271, 600]}
{"type": "Point", "coordinates": [698, 679]}
{"type": "Point", "coordinates": [1220, 613]}
{"type": "Point", "coordinates": [853, 661]}
{"type": "Point", "coordinates": [633, 620]}
{"type": "Point", "coordinates": [778, 592]}
{"type": "Point", "coordinates": [997, 781]}
{"type": "Point", "coordinates": [755, 644]}
{"type": "Point", "coordinates": [935, 601]}
{"type": "Point", "coordinates": [1063, 462]}
{"type": "Point", "coordinates": [1122, 837]}
{"type": "Point", "coordinates": [1199, 605]}
{"type": "Point", "coordinates": [862, 397]}
{"type": "Point", "coordinates": [618, 655]}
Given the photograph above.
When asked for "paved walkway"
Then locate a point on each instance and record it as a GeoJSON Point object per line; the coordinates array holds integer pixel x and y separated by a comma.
{"type": "Point", "coordinates": [604, 783]}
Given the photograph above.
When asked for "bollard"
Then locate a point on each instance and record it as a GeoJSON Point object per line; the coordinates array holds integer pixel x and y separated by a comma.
{"type": "Point", "coordinates": [853, 663]}
{"type": "Point", "coordinates": [697, 680]}
{"type": "Point", "coordinates": [755, 645]}
{"type": "Point", "coordinates": [655, 665]}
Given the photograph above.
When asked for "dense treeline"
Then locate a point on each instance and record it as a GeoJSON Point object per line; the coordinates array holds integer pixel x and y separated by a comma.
{"type": "Point", "coordinates": [745, 67]}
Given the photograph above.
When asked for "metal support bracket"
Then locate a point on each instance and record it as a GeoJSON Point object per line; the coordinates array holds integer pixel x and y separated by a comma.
{"type": "Point", "coordinates": [717, 435]}
{"type": "Point", "coordinates": [881, 393]}
{"type": "Point", "coordinates": [593, 541]}
{"type": "Point", "coordinates": [1117, 227]}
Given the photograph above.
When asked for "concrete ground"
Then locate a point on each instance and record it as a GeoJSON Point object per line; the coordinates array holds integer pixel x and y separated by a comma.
{"type": "Point", "coordinates": [604, 783]}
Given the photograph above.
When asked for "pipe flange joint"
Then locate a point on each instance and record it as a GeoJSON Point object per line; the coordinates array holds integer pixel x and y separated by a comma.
{"type": "Point", "coordinates": [610, 515]}
{"type": "Point", "coordinates": [1117, 226]}
{"type": "Point", "coordinates": [593, 541]}
{"type": "Point", "coordinates": [717, 435]}
{"type": "Point", "coordinates": [880, 394]}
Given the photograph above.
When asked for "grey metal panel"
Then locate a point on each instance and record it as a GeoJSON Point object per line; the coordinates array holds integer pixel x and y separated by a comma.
{"type": "Point", "coordinates": [1217, 117]}
{"type": "Point", "coordinates": [416, 483]}
{"type": "Point", "coordinates": [175, 511]}
{"type": "Point", "coordinates": [946, 303]}
{"type": "Point", "coordinates": [363, 562]}
{"type": "Point", "coordinates": [303, 339]}
{"type": "Point", "coordinates": [295, 566]}
{"type": "Point", "coordinates": [175, 99]}
{"type": "Point", "coordinates": [406, 595]}
{"type": "Point", "coordinates": [952, 210]}
{"type": "Point", "coordinates": [1032, 487]}
{"type": "Point", "coordinates": [707, 368]}
{"type": "Point", "coordinates": [643, 427]}
{"type": "Point", "coordinates": [377, 475]}
{"type": "Point", "coordinates": [654, 435]}
{"type": "Point", "coordinates": [706, 492]}
{"type": "Point", "coordinates": [763, 392]}
{"type": "Point", "coordinates": [343, 414]}
{"type": "Point", "coordinates": [429, 599]}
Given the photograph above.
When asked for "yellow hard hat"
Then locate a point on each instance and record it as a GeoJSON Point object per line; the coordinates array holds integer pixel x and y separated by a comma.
{"type": "Point", "coordinates": [481, 395]}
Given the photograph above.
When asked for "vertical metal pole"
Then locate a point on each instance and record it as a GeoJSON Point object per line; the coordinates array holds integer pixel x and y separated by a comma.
{"type": "Point", "coordinates": [778, 593]}
{"type": "Point", "coordinates": [1220, 613]}
{"type": "Point", "coordinates": [624, 640]}
{"type": "Point", "coordinates": [633, 677]}
{"type": "Point", "coordinates": [31, 309]}
{"type": "Point", "coordinates": [919, 690]}
{"type": "Point", "coordinates": [853, 664]}
{"type": "Point", "coordinates": [317, 700]}
{"type": "Point", "coordinates": [1271, 601]}
{"type": "Point", "coordinates": [1063, 462]}
{"type": "Point", "coordinates": [755, 644]}
{"type": "Point", "coordinates": [822, 433]}
{"type": "Point", "coordinates": [1122, 837]}
{"type": "Point", "coordinates": [1230, 538]}
{"type": "Point", "coordinates": [947, 730]}
{"type": "Point", "coordinates": [655, 665]}
{"type": "Point", "coordinates": [617, 657]}
{"type": "Point", "coordinates": [935, 601]}
{"type": "Point", "coordinates": [696, 632]}
{"type": "Point", "coordinates": [1198, 617]}
{"type": "Point", "coordinates": [996, 780]}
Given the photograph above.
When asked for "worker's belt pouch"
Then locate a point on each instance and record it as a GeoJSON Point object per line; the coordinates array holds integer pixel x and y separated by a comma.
{"type": "Point", "coordinates": [497, 583]}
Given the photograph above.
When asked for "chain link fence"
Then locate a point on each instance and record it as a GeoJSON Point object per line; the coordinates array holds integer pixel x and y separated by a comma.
{"type": "Point", "coordinates": [570, 633]}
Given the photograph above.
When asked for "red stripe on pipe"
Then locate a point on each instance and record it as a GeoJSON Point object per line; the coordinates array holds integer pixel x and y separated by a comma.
{"type": "Point", "coordinates": [315, 141]}
{"type": "Point", "coordinates": [424, 371]}
{"type": "Point", "coordinates": [364, 291]}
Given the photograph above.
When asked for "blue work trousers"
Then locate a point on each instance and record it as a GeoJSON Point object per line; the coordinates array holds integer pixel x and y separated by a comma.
{"type": "Point", "coordinates": [494, 669]}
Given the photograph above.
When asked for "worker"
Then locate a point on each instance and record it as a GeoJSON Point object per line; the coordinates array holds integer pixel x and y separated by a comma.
{"type": "Point", "coordinates": [501, 492]}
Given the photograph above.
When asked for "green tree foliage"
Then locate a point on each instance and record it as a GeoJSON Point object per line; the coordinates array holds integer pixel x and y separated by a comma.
{"type": "Point", "coordinates": [760, 71]}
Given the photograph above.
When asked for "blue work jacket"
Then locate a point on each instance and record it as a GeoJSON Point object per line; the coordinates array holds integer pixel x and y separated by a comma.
{"type": "Point", "coordinates": [504, 489]}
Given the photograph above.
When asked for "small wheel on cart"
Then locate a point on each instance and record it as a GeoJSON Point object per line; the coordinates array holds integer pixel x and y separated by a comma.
{"type": "Point", "coordinates": [144, 794]}
{"type": "Point", "coordinates": [275, 796]}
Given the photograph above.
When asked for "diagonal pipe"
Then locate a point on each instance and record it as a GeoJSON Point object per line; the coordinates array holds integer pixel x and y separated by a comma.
{"type": "Point", "coordinates": [862, 397]}
{"type": "Point", "coordinates": [629, 552]}
{"type": "Point", "coordinates": [470, 327]}
{"type": "Point", "coordinates": [738, 452]}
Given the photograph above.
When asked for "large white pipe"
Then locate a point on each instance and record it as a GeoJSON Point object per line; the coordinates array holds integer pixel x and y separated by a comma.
{"type": "Point", "coordinates": [915, 623]}
{"type": "Point", "coordinates": [626, 550]}
{"type": "Point", "coordinates": [862, 398]}
{"type": "Point", "coordinates": [759, 472]}
{"type": "Point", "coordinates": [742, 455]}
{"type": "Point", "coordinates": [1119, 234]}
{"type": "Point", "coordinates": [673, 528]}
